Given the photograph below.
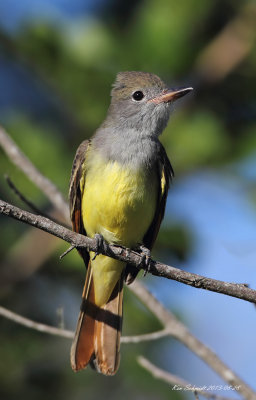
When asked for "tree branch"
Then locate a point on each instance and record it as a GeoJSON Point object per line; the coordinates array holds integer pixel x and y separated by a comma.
{"type": "Point", "coordinates": [51, 330]}
{"type": "Point", "coordinates": [77, 240]}
{"type": "Point", "coordinates": [35, 325]}
{"type": "Point", "coordinates": [25, 165]}
{"type": "Point", "coordinates": [28, 203]}
{"type": "Point", "coordinates": [177, 383]}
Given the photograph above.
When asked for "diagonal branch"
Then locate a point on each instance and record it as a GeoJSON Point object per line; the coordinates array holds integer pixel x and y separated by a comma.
{"type": "Point", "coordinates": [156, 268]}
{"type": "Point", "coordinates": [25, 165]}
{"type": "Point", "coordinates": [177, 383]}
{"type": "Point", "coordinates": [180, 332]}
{"type": "Point", "coordinates": [26, 201]}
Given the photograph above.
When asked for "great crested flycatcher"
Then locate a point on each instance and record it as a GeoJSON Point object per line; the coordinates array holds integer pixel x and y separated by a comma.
{"type": "Point", "coordinates": [118, 189]}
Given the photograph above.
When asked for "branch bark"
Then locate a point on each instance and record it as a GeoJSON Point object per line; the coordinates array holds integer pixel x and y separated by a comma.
{"type": "Point", "coordinates": [156, 268]}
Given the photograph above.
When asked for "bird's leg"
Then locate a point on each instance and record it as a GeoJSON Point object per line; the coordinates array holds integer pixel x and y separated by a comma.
{"type": "Point", "coordinates": [145, 258]}
{"type": "Point", "coordinates": [99, 244]}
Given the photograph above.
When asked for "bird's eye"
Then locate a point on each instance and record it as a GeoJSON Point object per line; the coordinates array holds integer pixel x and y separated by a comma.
{"type": "Point", "coordinates": [138, 95]}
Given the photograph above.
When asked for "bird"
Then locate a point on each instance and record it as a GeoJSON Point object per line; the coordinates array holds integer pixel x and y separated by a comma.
{"type": "Point", "coordinates": [118, 190]}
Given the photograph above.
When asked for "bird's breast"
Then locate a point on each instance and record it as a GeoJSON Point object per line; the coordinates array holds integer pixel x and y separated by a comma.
{"type": "Point", "coordinates": [118, 201]}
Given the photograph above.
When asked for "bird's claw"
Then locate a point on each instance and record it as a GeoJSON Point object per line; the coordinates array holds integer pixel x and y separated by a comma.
{"type": "Point", "coordinates": [127, 252]}
{"type": "Point", "coordinates": [99, 244]}
{"type": "Point", "coordinates": [145, 258]}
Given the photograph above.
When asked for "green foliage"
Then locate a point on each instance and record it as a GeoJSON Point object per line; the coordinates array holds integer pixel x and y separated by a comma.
{"type": "Point", "coordinates": [196, 139]}
{"type": "Point", "coordinates": [174, 239]}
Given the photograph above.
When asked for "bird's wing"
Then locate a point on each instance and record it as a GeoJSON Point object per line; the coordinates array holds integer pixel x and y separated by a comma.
{"type": "Point", "coordinates": [165, 175]}
{"type": "Point", "coordinates": [75, 195]}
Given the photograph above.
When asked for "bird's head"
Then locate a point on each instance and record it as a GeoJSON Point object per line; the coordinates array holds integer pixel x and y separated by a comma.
{"type": "Point", "coordinates": [141, 101]}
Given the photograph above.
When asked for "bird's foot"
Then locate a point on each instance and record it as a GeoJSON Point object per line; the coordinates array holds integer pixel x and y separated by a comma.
{"type": "Point", "coordinates": [145, 258]}
{"type": "Point", "coordinates": [99, 245]}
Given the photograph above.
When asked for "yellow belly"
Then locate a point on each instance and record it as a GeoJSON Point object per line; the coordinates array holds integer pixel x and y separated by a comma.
{"type": "Point", "coordinates": [118, 203]}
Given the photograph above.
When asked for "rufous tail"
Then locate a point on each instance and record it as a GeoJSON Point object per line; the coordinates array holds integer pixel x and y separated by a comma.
{"type": "Point", "coordinates": [98, 332]}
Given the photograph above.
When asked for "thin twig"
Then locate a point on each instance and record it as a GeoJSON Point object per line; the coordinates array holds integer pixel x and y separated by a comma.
{"type": "Point", "coordinates": [35, 325]}
{"type": "Point", "coordinates": [14, 188]}
{"type": "Point", "coordinates": [24, 164]}
{"type": "Point", "coordinates": [67, 251]}
{"type": "Point", "coordinates": [51, 330]}
{"type": "Point", "coordinates": [146, 337]}
{"type": "Point", "coordinates": [29, 203]}
{"type": "Point", "coordinates": [129, 256]}
{"type": "Point", "coordinates": [174, 380]}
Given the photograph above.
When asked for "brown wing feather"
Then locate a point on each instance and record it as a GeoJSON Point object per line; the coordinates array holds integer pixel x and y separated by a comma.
{"type": "Point", "coordinates": [75, 197]}
{"type": "Point", "coordinates": [165, 174]}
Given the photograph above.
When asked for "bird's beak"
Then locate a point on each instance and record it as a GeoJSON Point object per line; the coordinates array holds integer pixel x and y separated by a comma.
{"type": "Point", "coordinates": [170, 95]}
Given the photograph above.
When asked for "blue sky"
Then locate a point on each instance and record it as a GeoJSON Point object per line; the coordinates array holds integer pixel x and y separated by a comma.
{"type": "Point", "coordinates": [13, 12]}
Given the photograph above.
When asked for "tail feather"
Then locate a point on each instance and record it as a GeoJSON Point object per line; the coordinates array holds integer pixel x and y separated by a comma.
{"type": "Point", "coordinates": [82, 350]}
{"type": "Point", "coordinates": [98, 332]}
{"type": "Point", "coordinates": [108, 333]}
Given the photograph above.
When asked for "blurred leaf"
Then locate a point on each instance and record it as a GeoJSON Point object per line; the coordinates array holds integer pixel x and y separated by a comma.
{"type": "Point", "coordinates": [195, 139]}
{"type": "Point", "coordinates": [174, 239]}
